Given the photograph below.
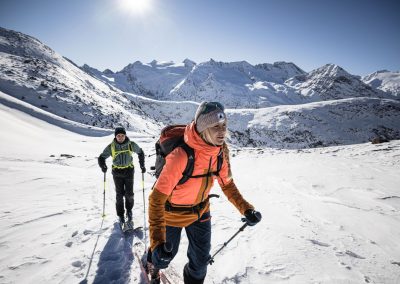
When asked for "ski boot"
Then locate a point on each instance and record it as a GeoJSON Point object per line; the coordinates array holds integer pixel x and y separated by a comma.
{"type": "Point", "coordinates": [122, 222]}
{"type": "Point", "coordinates": [154, 273]}
{"type": "Point", "coordinates": [129, 222]}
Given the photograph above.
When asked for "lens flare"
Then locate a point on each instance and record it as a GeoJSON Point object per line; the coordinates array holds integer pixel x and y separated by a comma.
{"type": "Point", "coordinates": [136, 6]}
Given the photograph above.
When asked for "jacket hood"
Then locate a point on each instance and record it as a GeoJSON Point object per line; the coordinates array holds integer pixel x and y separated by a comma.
{"type": "Point", "coordinates": [193, 139]}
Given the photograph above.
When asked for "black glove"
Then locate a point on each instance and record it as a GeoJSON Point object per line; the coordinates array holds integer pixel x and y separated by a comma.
{"type": "Point", "coordinates": [252, 217]}
{"type": "Point", "coordinates": [102, 164]}
{"type": "Point", "coordinates": [162, 255]}
{"type": "Point", "coordinates": [143, 168]}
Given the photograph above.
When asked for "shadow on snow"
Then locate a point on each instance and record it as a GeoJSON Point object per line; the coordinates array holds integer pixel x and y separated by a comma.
{"type": "Point", "coordinates": [116, 259]}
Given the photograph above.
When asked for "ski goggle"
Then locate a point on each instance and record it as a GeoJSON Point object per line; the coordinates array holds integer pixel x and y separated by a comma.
{"type": "Point", "coordinates": [211, 106]}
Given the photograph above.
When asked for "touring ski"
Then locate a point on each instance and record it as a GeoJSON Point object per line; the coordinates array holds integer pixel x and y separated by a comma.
{"type": "Point", "coordinates": [142, 269]}
{"type": "Point", "coordinates": [154, 276]}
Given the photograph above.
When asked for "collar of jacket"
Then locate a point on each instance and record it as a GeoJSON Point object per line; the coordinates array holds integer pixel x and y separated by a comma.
{"type": "Point", "coordinates": [193, 139]}
{"type": "Point", "coordinates": [125, 141]}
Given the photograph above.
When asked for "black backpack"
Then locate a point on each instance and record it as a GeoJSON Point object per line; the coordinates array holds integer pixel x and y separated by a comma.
{"type": "Point", "coordinates": [172, 137]}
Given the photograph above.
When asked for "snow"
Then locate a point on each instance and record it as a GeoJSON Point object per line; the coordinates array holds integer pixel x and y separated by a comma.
{"type": "Point", "coordinates": [331, 82]}
{"type": "Point", "coordinates": [326, 123]}
{"type": "Point", "coordinates": [330, 215]}
{"type": "Point", "coordinates": [237, 84]}
{"type": "Point", "coordinates": [384, 80]}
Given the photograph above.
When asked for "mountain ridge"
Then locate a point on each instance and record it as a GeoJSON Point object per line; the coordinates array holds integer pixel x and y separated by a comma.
{"type": "Point", "coordinates": [260, 112]}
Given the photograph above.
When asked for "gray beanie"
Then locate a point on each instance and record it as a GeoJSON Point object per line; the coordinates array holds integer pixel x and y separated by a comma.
{"type": "Point", "coordinates": [209, 114]}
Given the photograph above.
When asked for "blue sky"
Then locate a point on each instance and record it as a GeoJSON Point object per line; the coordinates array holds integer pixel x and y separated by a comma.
{"type": "Point", "coordinates": [361, 36]}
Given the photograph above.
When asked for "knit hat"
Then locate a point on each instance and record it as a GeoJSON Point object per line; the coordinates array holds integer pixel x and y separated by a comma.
{"type": "Point", "coordinates": [119, 130]}
{"type": "Point", "coordinates": [209, 114]}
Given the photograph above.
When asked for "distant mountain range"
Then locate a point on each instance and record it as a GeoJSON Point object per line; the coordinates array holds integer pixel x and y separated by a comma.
{"type": "Point", "coordinates": [277, 105]}
{"type": "Point", "coordinates": [240, 84]}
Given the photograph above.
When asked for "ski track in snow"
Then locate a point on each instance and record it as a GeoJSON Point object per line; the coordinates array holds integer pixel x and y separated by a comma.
{"type": "Point", "coordinates": [37, 219]}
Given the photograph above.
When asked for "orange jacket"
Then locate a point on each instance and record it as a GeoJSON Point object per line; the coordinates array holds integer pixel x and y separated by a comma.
{"type": "Point", "coordinates": [193, 191]}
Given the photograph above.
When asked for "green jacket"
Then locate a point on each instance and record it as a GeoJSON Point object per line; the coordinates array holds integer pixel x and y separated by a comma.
{"type": "Point", "coordinates": [122, 154]}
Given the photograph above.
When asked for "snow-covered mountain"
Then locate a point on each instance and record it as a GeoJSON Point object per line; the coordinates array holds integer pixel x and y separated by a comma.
{"type": "Point", "coordinates": [236, 84]}
{"type": "Point", "coordinates": [325, 107]}
{"type": "Point", "coordinates": [331, 82]}
{"type": "Point", "coordinates": [384, 80]}
{"type": "Point", "coordinates": [239, 84]}
{"type": "Point", "coordinates": [279, 72]}
{"type": "Point", "coordinates": [32, 72]}
{"type": "Point", "coordinates": [153, 80]}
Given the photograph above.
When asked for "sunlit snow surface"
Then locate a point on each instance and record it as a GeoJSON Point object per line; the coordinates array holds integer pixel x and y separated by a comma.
{"type": "Point", "coordinates": [330, 215]}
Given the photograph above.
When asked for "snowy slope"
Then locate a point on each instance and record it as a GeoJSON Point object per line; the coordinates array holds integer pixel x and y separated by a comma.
{"type": "Point", "coordinates": [9, 101]}
{"type": "Point", "coordinates": [50, 190]}
{"type": "Point", "coordinates": [32, 72]}
{"type": "Point", "coordinates": [384, 80]}
{"type": "Point", "coordinates": [346, 121]}
{"type": "Point", "coordinates": [339, 224]}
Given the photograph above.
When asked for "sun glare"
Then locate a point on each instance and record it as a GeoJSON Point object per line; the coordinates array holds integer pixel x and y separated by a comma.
{"type": "Point", "coordinates": [136, 6]}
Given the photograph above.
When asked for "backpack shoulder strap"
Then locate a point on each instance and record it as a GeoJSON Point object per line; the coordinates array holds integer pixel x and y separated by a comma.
{"type": "Point", "coordinates": [130, 148]}
{"type": "Point", "coordinates": [112, 145]}
{"type": "Point", "coordinates": [190, 162]}
{"type": "Point", "coordinates": [220, 160]}
{"type": "Point", "coordinates": [187, 173]}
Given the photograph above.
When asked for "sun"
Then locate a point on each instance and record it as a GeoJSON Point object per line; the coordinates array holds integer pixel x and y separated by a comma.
{"type": "Point", "coordinates": [136, 6]}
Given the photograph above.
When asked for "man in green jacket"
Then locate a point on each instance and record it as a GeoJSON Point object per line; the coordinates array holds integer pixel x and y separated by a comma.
{"type": "Point", "coordinates": [121, 149]}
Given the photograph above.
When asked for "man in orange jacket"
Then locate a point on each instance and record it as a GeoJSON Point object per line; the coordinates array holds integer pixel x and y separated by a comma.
{"type": "Point", "coordinates": [174, 206]}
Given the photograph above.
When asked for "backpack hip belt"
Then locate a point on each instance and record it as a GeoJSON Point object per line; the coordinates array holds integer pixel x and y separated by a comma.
{"type": "Point", "coordinates": [193, 209]}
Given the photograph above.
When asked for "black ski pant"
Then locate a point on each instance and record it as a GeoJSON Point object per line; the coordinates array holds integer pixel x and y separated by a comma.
{"type": "Point", "coordinates": [123, 188]}
{"type": "Point", "coordinates": [199, 236]}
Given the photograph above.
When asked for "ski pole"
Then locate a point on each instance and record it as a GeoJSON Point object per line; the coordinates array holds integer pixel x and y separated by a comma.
{"type": "Point", "coordinates": [144, 216]}
{"type": "Point", "coordinates": [104, 197]}
{"type": "Point", "coordinates": [211, 261]}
